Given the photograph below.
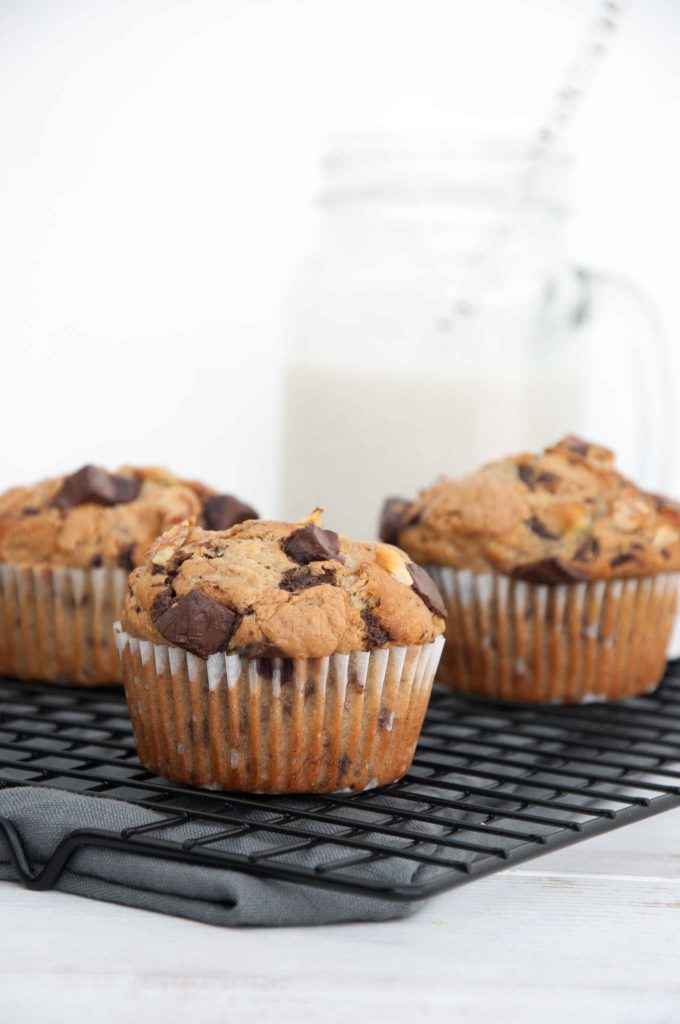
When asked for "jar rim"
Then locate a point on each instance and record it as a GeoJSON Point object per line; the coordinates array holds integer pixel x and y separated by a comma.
{"type": "Point", "coordinates": [412, 170]}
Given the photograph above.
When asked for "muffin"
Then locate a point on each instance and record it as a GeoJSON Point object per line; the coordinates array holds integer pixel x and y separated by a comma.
{"type": "Point", "coordinates": [278, 658]}
{"type": "Point", "coordinates": [559, 575]}
{"type": "Point", "coordinates": [67, 546]}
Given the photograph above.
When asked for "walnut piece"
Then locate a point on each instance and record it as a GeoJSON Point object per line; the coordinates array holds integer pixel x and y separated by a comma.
{"type": "Point", "coordinates": [163, 549]}
{"type": "Point", "coordinates": [390, 560]}
{"type": "Point", "coordinates": [314, 518]}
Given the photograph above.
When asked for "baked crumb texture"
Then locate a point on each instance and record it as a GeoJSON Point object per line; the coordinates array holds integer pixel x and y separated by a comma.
{"type": "Point", "coordinates": [94, 518]}
{"type": "Point", "coordinates": [268, 589]}
{"type": "Point", "coordinates": [563, 516]}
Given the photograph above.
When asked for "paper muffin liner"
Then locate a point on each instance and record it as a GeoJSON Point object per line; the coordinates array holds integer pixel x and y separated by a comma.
{"type": "Point", "coordinates": [56, 623]}
{"type": "Point", "coordinates": [565, 644]}
{"type": "Point", "coordinates": [285, 725]}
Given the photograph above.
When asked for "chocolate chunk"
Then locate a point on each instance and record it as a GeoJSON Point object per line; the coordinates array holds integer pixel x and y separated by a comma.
{"type": "Point", "coordinates": [30, 511]}
{"type": "Point", "coordinates": [392, 519]}
{"type": "Point", "coordinates": [375, 634]}
{"type": "Point", "coordinates": [293, 580]}
{"type": "Point", "coordinates": [263, 649]}
{"type": "Point", "coordinates": [91, 485]}
{"type": "Point", "coordinates": [425, 588]}
{"type": "Point", "coordinates": [548, 480]}
{"type": "Point", "coordinates": [532, 479]}
{"type": "Point", "coordinates": [665, 553]}
{"type": "Point", "coordinates": [125, 489]}
{"type": "Point", "coordinates": [161, 603]}
{"type": "Point", "coordinates": [621, 559]}
{"type": "Point", "coordinates": [96, 561]}
{"type": "Point", "coordinates": [550, 571]}
{"type": "Point", "coordinates": [311, 544]}
{"type": "Point", "coordinates": [198, 624]}
{"type": "Point", "coordinates": [264, 667]}
{"type": "Point", "coordinates": [538, 527]}
{"type": "Point", "coordinates": [125, 557]}
{"type": "Point", "coordinates": [574, 444]}
{"type": "Point", "coordinates": [158, 570]}
{"type": "Point", "coordinates": [527, 475]}
{"type": "Point", "coordinates": [588, 551]}
{"type": "Point", "coordinates": [222, 511]}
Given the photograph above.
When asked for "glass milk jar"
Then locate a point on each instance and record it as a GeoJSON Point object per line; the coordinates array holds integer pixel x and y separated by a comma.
{"type": "Point", "coordinates": [438, 325]}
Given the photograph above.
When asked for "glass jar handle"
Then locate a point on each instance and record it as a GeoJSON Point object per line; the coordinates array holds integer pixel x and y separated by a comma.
{"type": "Point", "coordinates": [644, 372]}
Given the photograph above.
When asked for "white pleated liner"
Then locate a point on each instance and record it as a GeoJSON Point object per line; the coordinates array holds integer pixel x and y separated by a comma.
{"type": "Point", "coordinates": [564, 644]}
{"type": "Point", "coordinates": [56, 623]}
{"type": "Point", "coordinates": [317, 725]}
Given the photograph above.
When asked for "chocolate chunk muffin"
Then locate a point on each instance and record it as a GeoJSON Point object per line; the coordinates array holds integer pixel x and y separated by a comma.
{"type": "Point", "coordinates": [278, 657]}
{"type": "Point", "coordinates": [559, 574]}
{"type": "Point", "coordinates": [67, 546]}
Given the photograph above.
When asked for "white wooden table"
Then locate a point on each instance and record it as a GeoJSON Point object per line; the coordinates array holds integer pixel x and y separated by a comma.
{"type": "Point", "coordinates": [591, 933]}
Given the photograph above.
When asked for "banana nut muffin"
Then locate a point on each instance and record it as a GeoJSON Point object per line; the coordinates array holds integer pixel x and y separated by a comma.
{"type": "Point", "coordinates": [283, 590]}
{"type": "Point", "coordinates": [93, 518]}
{"type": "Point", "coordinates": [311, 657]}
{"type": "Point", "coordinates": [598, 558]}
{"type": "Point", "coordinates": [67, 545]}
{"type": "Point", "coordinates": [560, 516]}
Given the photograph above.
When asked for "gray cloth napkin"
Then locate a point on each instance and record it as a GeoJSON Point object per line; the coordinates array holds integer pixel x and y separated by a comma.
{"type": "Point", "coordinates": [217, 896]}
{"type": "Point", "coordinates": [213, 895]}
{"type": "Point", "coordinates": [44, 816]}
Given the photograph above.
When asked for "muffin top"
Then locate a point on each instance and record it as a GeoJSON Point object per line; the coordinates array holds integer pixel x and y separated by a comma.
{"type": "Point", "coordinates": [93, 518]}
{"type": "Point", "coordinates": [558, 517]}
{"type": "Point", "coordinates": [271, 589]}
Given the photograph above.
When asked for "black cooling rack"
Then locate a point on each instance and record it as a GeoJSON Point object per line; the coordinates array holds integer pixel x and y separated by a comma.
{"type": "Point", "coordinates": [491, 785]}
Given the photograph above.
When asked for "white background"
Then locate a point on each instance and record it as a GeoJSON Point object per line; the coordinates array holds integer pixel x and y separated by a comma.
{"type": "Point", "coordinates": [157, 181]}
